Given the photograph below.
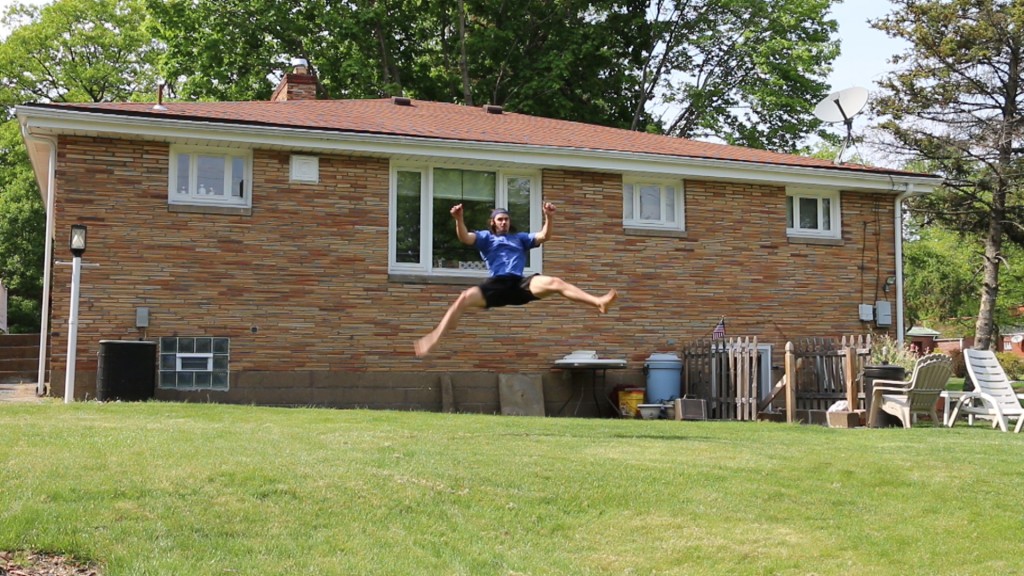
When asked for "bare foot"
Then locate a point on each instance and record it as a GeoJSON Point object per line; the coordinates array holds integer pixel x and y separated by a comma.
{"type": "Point", "coordinates": [424, 345]}
{"type": "Point", "coordinates": [605, 301]}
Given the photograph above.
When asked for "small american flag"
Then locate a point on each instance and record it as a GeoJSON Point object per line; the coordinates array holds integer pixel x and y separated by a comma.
{"type": "Point", "coordinates": [719, 331]}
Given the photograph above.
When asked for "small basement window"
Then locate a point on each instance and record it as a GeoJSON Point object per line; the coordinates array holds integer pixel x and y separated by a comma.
{"type": "Point", "coordinates": [194, 362]}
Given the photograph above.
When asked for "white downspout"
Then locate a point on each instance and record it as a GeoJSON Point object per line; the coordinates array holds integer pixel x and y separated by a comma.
{"type": "Point", "coordinates": [898, 220]}
{"type": "Point", "coordinates": [44, 321]}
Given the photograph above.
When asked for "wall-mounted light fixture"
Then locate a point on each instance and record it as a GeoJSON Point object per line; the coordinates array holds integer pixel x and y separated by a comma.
{"type": "Point", "coordinates": [889, 283]}
{"type": "Point", "coordinates": [78, 239]}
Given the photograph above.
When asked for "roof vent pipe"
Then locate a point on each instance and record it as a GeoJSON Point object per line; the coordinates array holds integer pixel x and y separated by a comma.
{"type": "Point", "coordinates": [160, 97]}
{"type": "Point", "coordinates": [493, 109]}
{"type": "Point", "coordinates": [401, 101]}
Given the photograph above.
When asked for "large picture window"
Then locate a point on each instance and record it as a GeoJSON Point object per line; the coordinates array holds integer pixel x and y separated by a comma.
{"type": "Point", "coordinates": [210, 177]}
{"type": "Point", "coordinates": [812, 214]}
{"type": "Point", "coordinates": [422, 231]}
{"type": "Point", "coordinates": [652, 204]}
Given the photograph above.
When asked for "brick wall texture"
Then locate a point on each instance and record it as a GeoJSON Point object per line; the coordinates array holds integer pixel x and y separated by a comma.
{"type": "Point", "coordinates": [301, 286]}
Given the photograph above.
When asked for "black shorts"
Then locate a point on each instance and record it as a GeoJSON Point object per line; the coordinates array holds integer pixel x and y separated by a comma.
{"type": "Point", "coordinates": [509, 290]}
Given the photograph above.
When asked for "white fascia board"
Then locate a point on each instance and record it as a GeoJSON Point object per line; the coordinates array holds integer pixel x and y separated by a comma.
{"type": "Point", "coordinates": [52, 121]}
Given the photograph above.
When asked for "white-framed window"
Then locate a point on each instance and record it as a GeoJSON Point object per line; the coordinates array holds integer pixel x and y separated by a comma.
{"type": "Point", "coordinates": [194, 362]}
{"type": "Point", "coordinates": [812, 213]}
{"type": "Point", "coordinates": [652, 204]}
{"type": "Point", "coordinates": [422, 236]}
{"type": "Point", "coordinates": [210, 176]}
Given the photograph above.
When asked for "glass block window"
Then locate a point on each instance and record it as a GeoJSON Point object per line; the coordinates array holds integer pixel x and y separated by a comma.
{"type": "Point", "coordinates": [194, 363]}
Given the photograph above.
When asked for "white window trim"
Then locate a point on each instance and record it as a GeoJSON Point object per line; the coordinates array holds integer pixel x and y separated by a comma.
{"type": "Point", "coordinates": [426, 265]}
{"type": "Point", "coordinates": [178, 151]}
{"type": "Point", "coordinates": [680, 206]}
{"type": "Point", "coordinates": [834, 213]}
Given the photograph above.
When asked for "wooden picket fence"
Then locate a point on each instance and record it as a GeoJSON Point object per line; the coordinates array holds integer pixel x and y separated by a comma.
{"type": "Point", "coordinates": [724, 372]}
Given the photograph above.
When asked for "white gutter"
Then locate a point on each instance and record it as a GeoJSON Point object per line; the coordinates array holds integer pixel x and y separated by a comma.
{"type": "Point", "coordinates": [44, 312]}
{"type": "Point", "coordinates": [54, 121]}
{"type": "Point", "coordinates": [898, 221]}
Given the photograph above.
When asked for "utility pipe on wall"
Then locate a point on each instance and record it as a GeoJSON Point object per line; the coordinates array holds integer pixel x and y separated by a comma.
{"type": "Point", "coordinates": [44, 313]}
{"type": "Point", "coordinates": [898, 225]}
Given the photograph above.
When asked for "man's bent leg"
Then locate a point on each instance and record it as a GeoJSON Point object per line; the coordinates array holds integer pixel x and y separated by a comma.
{"type": "Point", "coordinates": [543, 286]}
{"type": "Point", "coordinates": [470, 298]}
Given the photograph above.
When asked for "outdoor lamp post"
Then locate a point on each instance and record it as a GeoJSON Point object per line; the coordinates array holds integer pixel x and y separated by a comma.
{"type": "Point", "coordinates": [77, 249]}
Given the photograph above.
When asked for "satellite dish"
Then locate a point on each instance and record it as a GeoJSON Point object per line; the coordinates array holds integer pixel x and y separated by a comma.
{"type": "Point", "coordinates": [842, 106]}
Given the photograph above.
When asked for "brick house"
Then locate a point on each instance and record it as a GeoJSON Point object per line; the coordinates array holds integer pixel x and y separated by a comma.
{"type": "Point", "coordinates": [291, 251]}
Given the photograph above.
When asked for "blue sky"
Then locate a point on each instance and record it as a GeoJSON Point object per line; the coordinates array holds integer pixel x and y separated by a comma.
{"type": "Point", "coordinates": [865, 51]}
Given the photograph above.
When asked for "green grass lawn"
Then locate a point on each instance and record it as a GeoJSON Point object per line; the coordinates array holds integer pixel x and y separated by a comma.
{"type": "Point", "coordinates": [162, 488]}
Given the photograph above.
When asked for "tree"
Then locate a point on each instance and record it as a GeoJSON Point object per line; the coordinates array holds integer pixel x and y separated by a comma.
{"type": "Point", "coordinates": [70, 51]}
{"type": "Point", "coordinates": [940, 280]}
{"type": "Point", "coordinates": [237, 49]}
{"type": "Point", "coordinates": [956, 99]}
{"type": "Point", "coordinates": [744, 71]}
{"type": "Point", "coordinates": [76, 51]}
{"type": "Point", "coordinates": [22, 232]}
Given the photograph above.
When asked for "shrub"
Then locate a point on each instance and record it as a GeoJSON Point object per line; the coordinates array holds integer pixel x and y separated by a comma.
{"type": "Point", "coordinates": [1012, 364]}
{"type": "Point", "coordinates": [959, 365]}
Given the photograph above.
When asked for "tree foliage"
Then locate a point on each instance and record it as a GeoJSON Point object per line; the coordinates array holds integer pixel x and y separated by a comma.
{"type": "Point", "coordinates": [748, 72]}
{"type": "Point", "coordinates": [942, 275]}
{"type": "Point", "coordinates": [743, 71]}
{"type": "Point", "coordinates": [956, 99]}
{"type": "Point", "coordinates": [68, 51]}
{"type": "Point", "coordinates": [76, 51]}
{"type": "Point", "coordinates": [22, 232]}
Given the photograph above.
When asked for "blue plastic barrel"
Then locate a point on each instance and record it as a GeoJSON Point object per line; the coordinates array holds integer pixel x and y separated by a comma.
{"type": "Point", "coordinates": [663, 377]}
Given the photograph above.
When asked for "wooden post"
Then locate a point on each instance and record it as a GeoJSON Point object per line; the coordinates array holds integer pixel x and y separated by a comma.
{"type": "Point", "coordinates": [790, 384]}
{"type": "Point", "coordinates": [851, 375]}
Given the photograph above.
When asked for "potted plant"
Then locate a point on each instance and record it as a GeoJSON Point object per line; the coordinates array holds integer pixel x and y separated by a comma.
{"type": "Point", "coordinates": [886, 352]}
{"type": "Point", "coordinates": [888, 359]}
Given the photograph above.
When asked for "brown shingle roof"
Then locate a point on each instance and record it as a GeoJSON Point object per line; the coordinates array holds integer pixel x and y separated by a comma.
{"type": "Point", "coordinates": [435, 120]}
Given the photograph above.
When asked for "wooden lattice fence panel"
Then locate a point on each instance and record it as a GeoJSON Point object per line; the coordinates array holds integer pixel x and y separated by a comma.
{"type": "Point", "coordinates": [724, 374]}
{"type": "Point", "coordinates": [821, 373]}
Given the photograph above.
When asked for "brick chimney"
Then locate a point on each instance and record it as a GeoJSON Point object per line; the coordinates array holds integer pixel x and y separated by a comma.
{"type": "Point", "coordinates": [298, 84]}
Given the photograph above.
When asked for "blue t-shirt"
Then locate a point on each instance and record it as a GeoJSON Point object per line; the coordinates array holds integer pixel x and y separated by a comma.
{"type": "Point", "coordinates": [504, 253]}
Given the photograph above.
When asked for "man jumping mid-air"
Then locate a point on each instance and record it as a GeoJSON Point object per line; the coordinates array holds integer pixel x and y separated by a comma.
{"type": "Point", "coordinates": [505, 253]}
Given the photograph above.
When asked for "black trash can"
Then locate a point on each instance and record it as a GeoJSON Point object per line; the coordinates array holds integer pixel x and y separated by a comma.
{"type": "Point", "coordinates": [887, 372]}
{"type": "Point", "coordinates": [126, 370]}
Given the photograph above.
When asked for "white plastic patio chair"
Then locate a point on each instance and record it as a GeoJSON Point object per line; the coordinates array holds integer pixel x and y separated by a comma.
{"type": "Point", "coordinates": [918, 394]}
{"type": "Point", "coordinates": [993, 397]}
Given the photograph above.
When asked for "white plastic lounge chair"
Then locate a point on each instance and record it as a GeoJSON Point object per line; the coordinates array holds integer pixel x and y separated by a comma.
{"type": "Point", "coordinates": [993, 397]}
{"type": "Point", "coordinates": [918, 394]}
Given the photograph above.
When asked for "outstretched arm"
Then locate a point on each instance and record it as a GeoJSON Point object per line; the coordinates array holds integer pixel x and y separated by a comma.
{"type": "Point", "coordinates": [465, 236]}
{"type": "Point", "coordinates": [545, 232]}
